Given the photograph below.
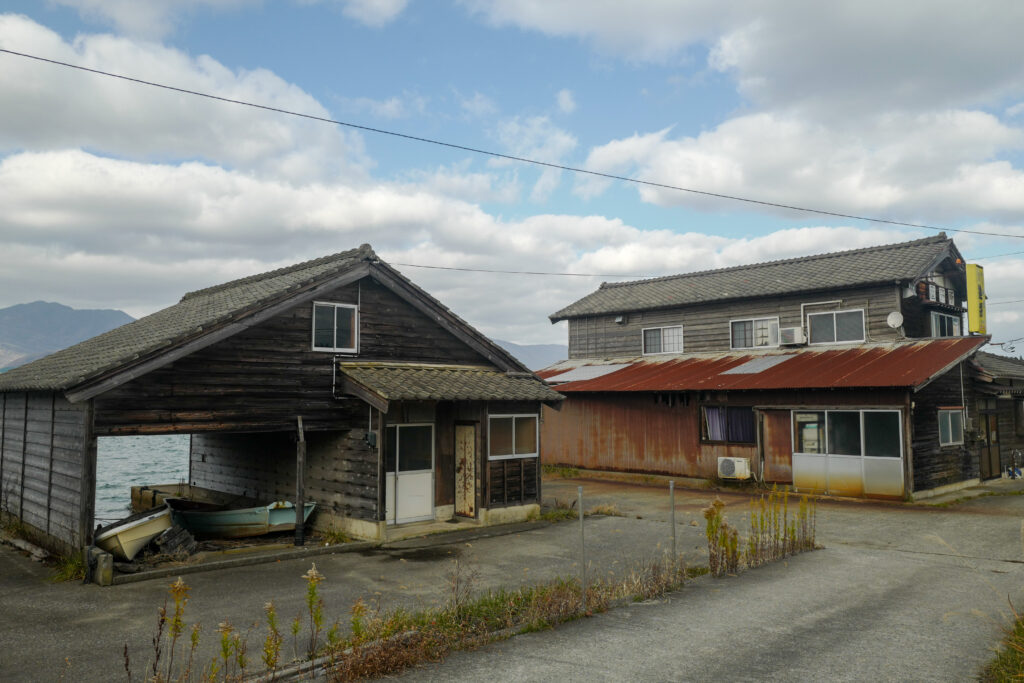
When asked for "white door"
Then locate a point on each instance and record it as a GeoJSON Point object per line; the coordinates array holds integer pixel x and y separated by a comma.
{"type": "Point", "coordinates": [409, 461]}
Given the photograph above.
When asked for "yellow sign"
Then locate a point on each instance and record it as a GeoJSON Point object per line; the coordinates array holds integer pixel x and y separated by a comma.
{"type": "Point", "coordinates": [976, 298]}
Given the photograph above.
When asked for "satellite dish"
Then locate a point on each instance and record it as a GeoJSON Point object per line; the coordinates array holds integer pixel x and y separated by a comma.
{"type": "Point", "coordinates": [894, 319]}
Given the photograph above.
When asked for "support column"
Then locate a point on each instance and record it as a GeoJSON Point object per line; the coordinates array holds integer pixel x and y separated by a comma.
{"type": "Point", "coordinates": [300, 485]}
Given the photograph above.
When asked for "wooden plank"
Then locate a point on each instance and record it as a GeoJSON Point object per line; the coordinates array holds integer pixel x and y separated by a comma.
{"type": "Point", "coordinates": [87, 502]}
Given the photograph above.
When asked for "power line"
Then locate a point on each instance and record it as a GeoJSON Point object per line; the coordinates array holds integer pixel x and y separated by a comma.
{"type": "Point", "coordinates": [521, 272]}
{"type": "Point", "coordinates": [1009, 253]}
{"type": "Point", "coordinates": [1003, 303]}
{"type": "Point", "coordinates": [511, 157]}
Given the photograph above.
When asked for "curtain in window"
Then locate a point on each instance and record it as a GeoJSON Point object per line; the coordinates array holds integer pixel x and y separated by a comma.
{"type": "Point", "coordinates": [715, 420]}
{"type": "Point", "coordinates": [741, 425]}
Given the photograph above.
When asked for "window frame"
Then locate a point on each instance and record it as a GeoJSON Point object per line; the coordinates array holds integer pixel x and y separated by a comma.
{"type": "Point", "coordinates": [770, 319]}
{"type": "Point", "coordinates": [398, 427]}
{"type": "Point", "coordinates": [826, 448]}
{"type": "Point", "coordinates": [833, 313]}
{"type": "Point", "coordinates": [514, 455]}
{"type": "Point", "coordinates": [703, 421]}
{"type": "Point", "coordinates": [355, 328]}
{"type": "Point", "coordinates": [643, 340]}
{"type": "Point", "coordinates": [947, 413]}
{"type": "Point", "coordinates": [936, 316]}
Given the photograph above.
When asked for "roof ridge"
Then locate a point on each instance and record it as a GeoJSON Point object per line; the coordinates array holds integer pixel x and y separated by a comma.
{"type": "Point", "coordinates": [831, 254]}
{"type": "Point", "coordinates": [364, 249]}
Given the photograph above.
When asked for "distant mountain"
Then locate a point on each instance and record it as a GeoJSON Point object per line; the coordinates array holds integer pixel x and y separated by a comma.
{"type": "Point", "coordinates": [31, 331]}
{"type": "Point", "coordinates": [536, 356]}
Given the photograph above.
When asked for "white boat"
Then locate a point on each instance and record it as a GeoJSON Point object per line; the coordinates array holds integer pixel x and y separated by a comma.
{"type": "Point", "coordinates": [124, 539]}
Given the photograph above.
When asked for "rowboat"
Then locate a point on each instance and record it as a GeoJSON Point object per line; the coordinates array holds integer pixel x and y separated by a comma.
{"type": "Point", "coordinates": [125, 538]}
{"type": "Point", "coordinates": [219, 521]}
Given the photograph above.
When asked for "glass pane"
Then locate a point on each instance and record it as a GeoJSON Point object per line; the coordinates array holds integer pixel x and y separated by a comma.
{"type": "Point", "coordinates": [766, 333]}
{"type": "Point", "coordinates": [956, 427]}
{"type": "Point", "coordinates": [822, 328]}
{"type": "Point", "coordinates": [672, 339]}
{"type": "Point", "coordinates": [415, 448]}
{"type": "Point", "coordinates": [882, 434]}
{"type": "Point", "coordinates": [850, 326]}
{"type": "Point", "coordinates": [323, 326]}
{"type": "Point", "coordinates": [714, 423]}
{"type": "Point", "coordinates": [345, 337]}
{"type": "Point", "coordinates": [500, 442]}
{"type": "Point", "coordinates": [526, 435]}
{"type": "Point", "coordinates": [956, 327]}
{"type": "Point", "coordinates": [390, 448]}
{"type": "Point", "coordinates": [652, 341]}
{"type": "Point", "coordinates": [741, 425]}
{"type": "Point", "coordinates": [844, 432]}
{"type": "Point", "coordinates": [943, 427]}
{"type": "Point", "coordinates": [810, 432]}
{"type": "Point", "coordinates": [742, 335]}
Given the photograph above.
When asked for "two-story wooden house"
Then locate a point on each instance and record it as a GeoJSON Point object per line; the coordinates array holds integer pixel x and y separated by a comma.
{"type": "Point", "coordinates": [407, 412]}
{"type": "Point", "coordinates": [849, 373]}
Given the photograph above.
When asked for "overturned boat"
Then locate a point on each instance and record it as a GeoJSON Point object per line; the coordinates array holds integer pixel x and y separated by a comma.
{"type": "Point", "coordinates": [210, 520]}
{"type": "Point", "coordinates": [125, 538]}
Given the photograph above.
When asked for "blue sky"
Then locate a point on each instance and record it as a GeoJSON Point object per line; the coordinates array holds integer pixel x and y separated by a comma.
{"type": "Point", "coordinates": [123, 196]}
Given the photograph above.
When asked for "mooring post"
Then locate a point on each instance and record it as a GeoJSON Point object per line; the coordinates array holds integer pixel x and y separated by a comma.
{"type": "Point", "coordinates": [583, 550]}
{"type": "Point", "coordinates": [300, 485]}
{"type": "Point", "coordinates": [672, 515]}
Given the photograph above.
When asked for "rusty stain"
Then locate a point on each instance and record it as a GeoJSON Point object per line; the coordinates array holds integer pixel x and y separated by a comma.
{"type": "Point", "coordinates": [777, 444]}
{"type": "Point", "coordinates": [892, 365]}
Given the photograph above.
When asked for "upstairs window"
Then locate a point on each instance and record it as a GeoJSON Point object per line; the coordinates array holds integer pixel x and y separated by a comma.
{"type": "Point", "coordinates": [663, 340]}
{"type": "Point", "coordinates": [836, 327]}
{"type": "Point", "coordinates": [748, 334]}
{"type": "Point", "coordinates": [335, 327]}
{"type": "Point", "coordinates": [944, 325]}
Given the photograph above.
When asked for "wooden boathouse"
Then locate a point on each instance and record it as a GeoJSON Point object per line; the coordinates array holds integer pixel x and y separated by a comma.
{"type": "Point", "coordinates": [404, 412]}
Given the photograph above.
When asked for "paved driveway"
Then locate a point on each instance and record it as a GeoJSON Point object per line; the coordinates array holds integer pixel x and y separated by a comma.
{"type": "Point", "coordinates": [899, 593]}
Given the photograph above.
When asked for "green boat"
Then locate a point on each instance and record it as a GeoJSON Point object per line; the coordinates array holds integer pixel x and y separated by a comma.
{"type": "Point", "coordinates": [209, 520]}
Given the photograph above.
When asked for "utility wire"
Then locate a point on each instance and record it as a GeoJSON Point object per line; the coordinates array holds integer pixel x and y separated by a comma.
{"type": "Point", "coordinates": [522, 272]}
{"type": "Point", "coordinates": [511, 157]}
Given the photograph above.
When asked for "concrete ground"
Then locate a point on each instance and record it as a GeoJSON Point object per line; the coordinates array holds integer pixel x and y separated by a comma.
{"type": "Point", "coordinates": [900, 592]}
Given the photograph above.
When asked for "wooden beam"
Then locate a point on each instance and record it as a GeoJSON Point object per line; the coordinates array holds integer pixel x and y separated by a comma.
{"type": "Point", "coordinates": [87, 483]}
{"type": "Point", "coordinates": [351, 387]}
{"type": "Point", "coordinates": [88, 390]}
{"type": "Point", "coordinates": [300, 485]}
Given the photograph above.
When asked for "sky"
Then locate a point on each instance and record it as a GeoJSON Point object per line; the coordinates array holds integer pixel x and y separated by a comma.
{"type": "Point", "coordinates": [115, 194]}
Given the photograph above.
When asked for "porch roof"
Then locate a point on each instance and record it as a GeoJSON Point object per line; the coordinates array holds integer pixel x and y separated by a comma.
{"type": "Point", "coordinates": [906, 364]}
{"type": "Point", "coordinates": [418, 382]}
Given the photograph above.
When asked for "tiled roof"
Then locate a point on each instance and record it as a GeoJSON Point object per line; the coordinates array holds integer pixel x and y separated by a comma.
{"type": "Point", "coordinates": [888, 263]}
{"type": "Point", "coordinates": [1001, 367]}
{"type": "Point", "coordinates": [194, 315]}
{"type": "Point", "coordinates": [415, 382]}
{"type": "Point", "coordinates": [905, 364]}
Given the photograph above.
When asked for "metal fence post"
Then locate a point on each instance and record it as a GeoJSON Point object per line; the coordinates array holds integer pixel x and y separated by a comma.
{"type": "Point", "coordinates": [583, 550]}
{"type": "Point", "coordinates": [672, 515]}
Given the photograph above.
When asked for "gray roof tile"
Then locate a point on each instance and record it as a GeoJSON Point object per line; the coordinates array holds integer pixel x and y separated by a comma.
{"type": "Point", "coordinates": [888, 263]}
{"type": "Point", "coordinates": [411, 382]}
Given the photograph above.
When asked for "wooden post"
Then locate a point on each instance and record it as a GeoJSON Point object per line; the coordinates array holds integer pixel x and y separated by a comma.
{"type": "Point", "coordinates": [87, 483]}
{"type": "Point", "coordinates": [300, 485]}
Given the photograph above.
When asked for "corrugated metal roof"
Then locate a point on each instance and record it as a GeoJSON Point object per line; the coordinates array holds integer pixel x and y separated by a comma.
{"type": "Point", "coordinates": [416, 382]}
{"type": "Point", "coordinates": [886, 263]}
{"type": "Point", "coordinates": [906, 364]}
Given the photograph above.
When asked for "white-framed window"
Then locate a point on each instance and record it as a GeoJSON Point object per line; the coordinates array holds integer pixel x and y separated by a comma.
{"type": "Point", "coordinates": [755, 332]}
{"type": "Point", "coordinates": [335, 327]}
{"type": "Point", "coordinates": [951, 426]}
{"type": "Point", "coordinates": [836, 327]}
{"type": "Point", "coordinates": [513, 436]}
{"type": "Point", "coordinates": [866, 433]}
{"type": "Point", "coordinates": [409, 447]}
{"type": "Point", "coordinates": [945, 325]}
{"type": "Point", "coordinates": [663, 340]}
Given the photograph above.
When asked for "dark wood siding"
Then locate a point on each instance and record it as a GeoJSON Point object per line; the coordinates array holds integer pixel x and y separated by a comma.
{"type": "Point", "coordinates": [936, 465]}
{"type": "Point", "coordinates": [706, 326]}
{"type": "Point", "coordinates": [260, 379]}
{"type": "Point", "coordinates": [43, 466]}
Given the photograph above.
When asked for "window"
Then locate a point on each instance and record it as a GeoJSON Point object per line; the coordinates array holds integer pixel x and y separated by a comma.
{"type": "Point", "coordinates": [944, 325]}
{"type": "Point", "coordinates": [410, 448]}
{"type": "Point", "coordinates": [951, 427]}
{"type": "Point", "coordinates": [756, 332]}
{"type": "Point", "coordinates": [512, 436]}
{"type": "Point", "coordinates": [663, 340]}
{"type": "Point", "coordinates": [836, 327]}
{"type": "Point", "coordinates": [732, 424]}
{"type": "Point", "coordinates": [868, 433]}
{"type": "Point", "coordinates": [335, 327]}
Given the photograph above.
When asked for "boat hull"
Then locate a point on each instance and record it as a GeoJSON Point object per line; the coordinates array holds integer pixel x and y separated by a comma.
{"type": "Point", "coordinates": [213, 521]}
{"type": "Point", "coordinates": [126, 538]}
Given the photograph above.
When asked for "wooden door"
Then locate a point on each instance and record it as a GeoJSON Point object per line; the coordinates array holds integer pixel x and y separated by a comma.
{"type": "Point", "coordinates": [777, 446]}
{"type": "Point", "coordinates": [465, 470]}
{"type": "Point", "coordinates": [990, 448]}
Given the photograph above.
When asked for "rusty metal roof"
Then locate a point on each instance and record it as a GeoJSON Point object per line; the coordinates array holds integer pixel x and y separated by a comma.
{"type": "Point", "coordinates": [904, 364]}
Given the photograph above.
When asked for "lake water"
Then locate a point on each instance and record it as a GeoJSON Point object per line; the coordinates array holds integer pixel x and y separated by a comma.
{"type": "Point", "coordinates": [126, 461]}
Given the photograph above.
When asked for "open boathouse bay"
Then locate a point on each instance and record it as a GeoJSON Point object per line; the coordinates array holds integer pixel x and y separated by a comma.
{"type": "Point", "coordinates": [126, 461]}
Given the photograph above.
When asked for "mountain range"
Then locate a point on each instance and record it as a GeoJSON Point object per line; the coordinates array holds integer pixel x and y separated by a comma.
{"type": "Point", "coordinates": [31, 331]}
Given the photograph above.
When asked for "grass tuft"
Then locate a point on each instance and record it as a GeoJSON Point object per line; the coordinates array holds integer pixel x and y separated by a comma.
{"type": "Point", "coordinates": [1008, 664]}
{"type": "Point", "coordinates": [69, 568]}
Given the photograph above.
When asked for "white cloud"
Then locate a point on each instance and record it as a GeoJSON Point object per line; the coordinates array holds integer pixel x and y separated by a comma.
{"type": "Point", "coordinates": [536, 137]}
{"type": "Point", "coordinates": [373, 12]}
{"type": "Point", "coordinates": [477, 106]}
{"type": "Point", "coordinates": [131, 120]}
{"type": "Point", "coordinates": [146, 18]}
{"type": "Point", "coordinates": [566, 101]}
{"type": "Point", "coordinates": [391, 108]}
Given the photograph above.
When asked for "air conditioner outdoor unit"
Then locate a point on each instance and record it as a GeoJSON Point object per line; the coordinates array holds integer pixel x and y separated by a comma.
{"type": "Point", "coordinates": [734, 468]}
{"type": "Point", "coordinates": [791, 335]}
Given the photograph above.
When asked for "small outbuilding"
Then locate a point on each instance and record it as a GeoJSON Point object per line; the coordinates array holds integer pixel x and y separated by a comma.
{"type": "Point", "coordinates": [337, 380]}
